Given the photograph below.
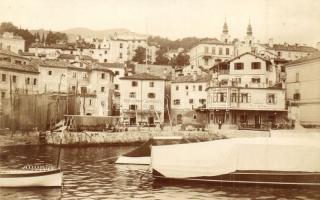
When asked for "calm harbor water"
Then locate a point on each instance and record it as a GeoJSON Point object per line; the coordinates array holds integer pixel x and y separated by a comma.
{"type": "Point", "coordinates": [88, 175]}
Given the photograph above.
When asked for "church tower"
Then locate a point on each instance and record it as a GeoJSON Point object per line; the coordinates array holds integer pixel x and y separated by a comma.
{"type": "Point", "coordinates": [249, 39]}
{"type": "Point", "coordinates": [225, 37]}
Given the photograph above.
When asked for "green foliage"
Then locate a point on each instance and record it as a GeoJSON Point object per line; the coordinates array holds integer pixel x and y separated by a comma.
{"type": "Point", "coordinates": [161, 59]}
{"type": "Point", "coordinates": [140, 55]}
{"type": "Point", "coordinates": [186, 43]}
{"type": "Point", "coordinates": [55, 37]}
{"type": "Point", "coordinates": [181, 59]}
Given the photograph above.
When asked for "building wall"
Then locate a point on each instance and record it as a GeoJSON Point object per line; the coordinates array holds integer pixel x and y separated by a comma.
{"type": "Point", "coordinates": [180, 92]}
{"type": "Point", "coordinates": [12, 43]}
{"type": "Point", "coordinates": [303, 79]}
{"type": "Point", "coordinates": [141, 99]}
{"type": "Point", "coordinates": [20, 85]}
{"type": "Point", "coordinates": [197, 53]}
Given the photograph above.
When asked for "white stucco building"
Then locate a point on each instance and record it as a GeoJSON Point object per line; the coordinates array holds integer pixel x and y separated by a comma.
{"type": "Point", "coordinates": [142, 99]}
{"type": "Point", "coordinates": [12, 42]}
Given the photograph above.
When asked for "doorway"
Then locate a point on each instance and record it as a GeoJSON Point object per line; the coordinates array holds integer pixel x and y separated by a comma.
{"type": "Point", "coordinates": [133, 121]}
{"type": "Point", "coordinates": [257, 121]}
{"type": "Point", "coordinates": [151, 120]}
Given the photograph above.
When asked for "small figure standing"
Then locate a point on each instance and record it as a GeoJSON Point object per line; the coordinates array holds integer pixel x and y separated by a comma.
{"type": "Point", "coordinates": [220, 124]}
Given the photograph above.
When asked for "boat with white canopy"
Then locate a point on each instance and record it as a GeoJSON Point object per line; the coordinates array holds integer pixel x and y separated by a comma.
{"type": "Point", "coordinates": [274, 161]}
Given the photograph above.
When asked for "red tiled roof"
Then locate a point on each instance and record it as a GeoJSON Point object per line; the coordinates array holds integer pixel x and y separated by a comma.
{"type": "Point", "coordinates": [142, 76]}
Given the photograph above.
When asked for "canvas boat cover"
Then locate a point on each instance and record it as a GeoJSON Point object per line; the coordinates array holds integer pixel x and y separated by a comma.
{"type": "Point", "coordinates": [229, 155]}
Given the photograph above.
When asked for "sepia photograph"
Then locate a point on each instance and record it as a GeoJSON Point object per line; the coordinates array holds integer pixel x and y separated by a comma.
{"type": "Point", "coordinates": [160, 99]}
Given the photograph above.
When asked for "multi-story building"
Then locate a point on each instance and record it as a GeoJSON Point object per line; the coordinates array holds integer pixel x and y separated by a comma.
{"type": "Point", "coordinates": [12, 43]}
{"type": "Point", "coordinates": [210, 51]}
{"type": "Point", "coordinates": [303, 94]}
{"type": "Point", "coordinates": [188, 93]}
{"type": "Point", "coordinates": [245, 92]}
{"type": "Point", "coordinates": [92, 82]}
{"type": "Point", "coordinates": [142, 99]}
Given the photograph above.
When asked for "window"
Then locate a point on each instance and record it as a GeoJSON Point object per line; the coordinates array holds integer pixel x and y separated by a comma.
{"type": "Point", "coordinates": [296, 96]}
{"type": "Point", "coordinates": [133, 107]}
{"type": "Point", "coordinates": [200, 87]}
{"type": "Point", "coordinates": [134, 83]}
{"type": "Point", "coordinates": [121, 45]}
{"type": "Point", "coordinates": [14, 79]}
{"type": "Point", "coordinates": [105, 52]}
{"type": "Point", "coordinates": [90, 102]}
{"type": "Point", "coordinates": [234, 97]}
{"type": "Point", "coordinates": [103, 75]}
{"type": "Point", "coordinates": [120, 55]}
{"type": "Point", "coordinates": [279, 53]}
{"type": "Point", "coordinates": [190, 101]}
{"type": "Point", "coordinates": [297, 76]}
{"type": "Point", "coordinates": [220, 51]}
{"type": "Point", "coordinates": [132, 95]}
{"type": "Point", "coordinates": [202, 101]}
{"type": "Point", "coordinates": [176, 102]}
{"type": "Point", "coordinates": [35, 81]}
{"type": "Point", "coordinates": [74, 75]}
{"type": "Point", "coordinates": [102, 89]}
{"type": "Point", "coordinates": [84, 75]}
{"type": "Point", "coordinates": [206, 50]}
{"type": "Point", "coordinates": [4, 77]}
{"type": "Point", "coordinates": [187, 87]}
{"type": "Point", "coordinates": [177, 88]}
{"type": "Point", "coordinates": [244, 98]}
{"type": "Point", "coordinates": [271, 98]}
{"type": "Point", "coordinates": [3, 95]}
{"type": "Point", "coordinates": [222, 97]}
{"type": "Point", "coordinates": [194, 116]}
{"type": "Point", "coordinates": [151, 95]}
{"type": "Point", "coordinates": [227, 51]}
{"type": "Point", "coordinates": [105, 60]}
{"type": "Point", "coordinates": [194, 88]}
{"type": "Point", "coordinates": [116, 73]}
{"type": "Point", "coordinates": [151, 84]}
{"type": "Point", "coordinates": [238, 66]}
{"type": "Point", "coordinates": [255, 80]}
{"type": "Point", "coordinates": [255, 65]}
{"type": "Point", "coordinates": [83, 90]}
{"type": "Point", "coordinates": [27, 81]}
{"type": "Point", "coordinates": [49, 73]}
{"type": "Point", "coordinates": [116, 86]}
{"type": "Point", "coordinates": [73, 88]}
{"type": "Point", "coordinates": [213, 50]}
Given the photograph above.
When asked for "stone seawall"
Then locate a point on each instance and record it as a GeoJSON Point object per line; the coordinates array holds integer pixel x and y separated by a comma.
{"type": "Point", "coordinates": [67, 138]}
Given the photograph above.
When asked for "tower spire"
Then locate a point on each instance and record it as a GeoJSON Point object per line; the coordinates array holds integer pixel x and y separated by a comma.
{"type": "Point", "coordinates": [225, 26]}
{"type": "Point", "coordinates": [249, 28]}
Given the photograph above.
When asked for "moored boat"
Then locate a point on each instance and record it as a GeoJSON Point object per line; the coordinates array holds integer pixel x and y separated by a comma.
{"type": "Point", "coordinates": [31, 176]}
{"type": "Point", "coordinates": [141, 155]}
{"type": "Point", "coordinates": [271, 161]}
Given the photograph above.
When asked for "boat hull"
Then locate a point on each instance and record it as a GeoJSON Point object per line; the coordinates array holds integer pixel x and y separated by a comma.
{"type": "Point", "coordinates": [32, 179]}
{"type": "Point", "coordinates": [134, 160]}
{"type": "Point", "coordinates": [254, 177]}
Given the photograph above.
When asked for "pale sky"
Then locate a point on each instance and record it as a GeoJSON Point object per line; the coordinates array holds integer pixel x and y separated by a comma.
{"type": "Point", "coordinates": [284, 20]}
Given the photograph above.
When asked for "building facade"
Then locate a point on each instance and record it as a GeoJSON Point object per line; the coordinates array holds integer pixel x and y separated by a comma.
{"type": "Point", "coordinates": [188, 93]}
{"type": "Point", "coordinates": [142, 99]}
{"type": "Point", "coordinates": [12, 43]}
{"type": "Point", "coordinates": [303, 94]}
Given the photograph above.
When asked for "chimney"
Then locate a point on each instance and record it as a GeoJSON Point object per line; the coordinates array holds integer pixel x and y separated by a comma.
{"type": "Point", "coordinates": [194, 76]}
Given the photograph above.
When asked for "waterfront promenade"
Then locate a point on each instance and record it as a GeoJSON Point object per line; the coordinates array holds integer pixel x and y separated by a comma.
{"type": "Point", "coordinates": [134, 136]}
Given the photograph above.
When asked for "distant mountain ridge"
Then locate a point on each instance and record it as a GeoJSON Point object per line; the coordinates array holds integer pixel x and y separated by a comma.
{"type": "Point", "coordinates": [89, 33]}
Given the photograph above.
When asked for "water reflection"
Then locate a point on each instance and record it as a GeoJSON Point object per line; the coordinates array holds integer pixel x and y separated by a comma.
{"type": "Point", "coordinates": [89, 175]}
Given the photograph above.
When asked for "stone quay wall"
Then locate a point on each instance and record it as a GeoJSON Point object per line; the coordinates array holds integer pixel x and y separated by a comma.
{"type": "Point", "coordinates": [86, 138]}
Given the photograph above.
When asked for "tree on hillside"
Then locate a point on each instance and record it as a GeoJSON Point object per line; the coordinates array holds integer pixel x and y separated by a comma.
{"type": "Point", "coordinates": [181, 59]}
{"type": "Point", "coordinates": [55, 37]}
{"type": "Point", "coordinates": [140, 55]}
{"type": "Point", "coordinates": [161, 59]}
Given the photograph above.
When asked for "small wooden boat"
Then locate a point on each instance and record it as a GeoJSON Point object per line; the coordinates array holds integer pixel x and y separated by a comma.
{"type": "Point", "coordinates": [32, 176]}
{"type": "Point", "coordinates": [269, 161]}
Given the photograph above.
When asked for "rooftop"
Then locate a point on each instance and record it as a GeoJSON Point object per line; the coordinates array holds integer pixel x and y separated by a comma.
{"type": "Point", "coordinates": [312, 57]}
{"type": "Point", "coordinates": [192, 79]}
{"type": "Point", "coordinates": [112, 65]}
{"type": "Point", "coordinates": [295, 47]}
{"type": "Point", "coordinates": [142, 76]}
{"type": "Point", "coordinates": [17, 67]}
{"type": "Point", "coordinates": [10, 53]}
